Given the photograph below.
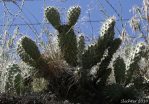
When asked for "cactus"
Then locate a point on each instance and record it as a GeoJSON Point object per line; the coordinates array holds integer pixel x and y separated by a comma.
{"type": "Point", "coordinates": [28, 51]}
{"type": "Point", "coordinates": [107, 29]}
{"type": "Point", "coordinates": [66, 37]}
{"type": "Point", "coordinates": [103, 71]}
{"type": "Point", "coordinates": [90, 80]}
{"type": "Point", "coordinates": [68, 44]}
{"type": "Point", "coordinates": [55, 18]}
{"type": "Point", "coordinates": [14, 83]}
{"type": "Point", "coordinates": [95, 53]}
{"type": "Point", "coordinates": [133, 68]}
{"type": "Point", "coordinates": [30, 54]}
{"type": "Point", "coordinates": [126, 73]}
{"type": "Point", "coordinates": [81, 48]}
{"type": "Point", "coordinates": [73, 15]}
{"type": "Point", "coordinates": [119, 70]}
{"type": "Point", "coordinates": [128, 76]}
{"type": "Point", "coordinates": [78, 85]}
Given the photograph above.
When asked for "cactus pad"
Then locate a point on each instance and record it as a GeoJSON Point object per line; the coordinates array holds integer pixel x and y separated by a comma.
{"type": "Point", "coordinates": [53, 16]}
{"type": "Point", "coordinates": [28, 51]}
{"type": "Point", "coordinates": [119, 70]}
{"type": "Point", "coordinates": [73, 15]}
{"type": "Point", "coordinates": [14, 82]}
{"type": "Point", "coordinates": [107, 29]}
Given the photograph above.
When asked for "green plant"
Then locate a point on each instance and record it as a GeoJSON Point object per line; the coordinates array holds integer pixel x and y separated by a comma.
{"type": "Point", "coordinates": [30, 54]}
{"type": "Point", "coordinates": [66, 37]}
{"type": "Point", "coordinates": [125, 73]}
{"type": "Point", "coordinates": [81, 49]}
{"type": "Point", "coordinates": [119, 70]}
{"type": "Point", "coordinates": [92, 63]}
{"type": "Point", "coordinates": [100, 54]}
{"type": "Point", "coordinates": [133, 68]}
{"type": "Point", "coordinates": [130, 82]}
{"type": "Point", "coordinates": [39, 84]}
{"type": "Point", "coordinates": [96, 51]}
{"type": "Point", "coordinates": [14, 82]}
{"type": "Point", "coordinates": [67, 41]}
{"type": "Point", "coordinates": [50, 70]}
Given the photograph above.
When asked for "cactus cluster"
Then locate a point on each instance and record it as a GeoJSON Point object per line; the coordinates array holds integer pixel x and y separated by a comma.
{"type": "Point", "coordinates": [104, 41]}
{"type": "Point", "coordinates": [133, 68]}
{"type": "Point", "coordinates": [130, 82]}
{"type": "Point", "coordinates": [68, 44]}
{"type": "Point", "coordinates": [74, 53]}
{"type": "Point", "coordinates": [93, 62]}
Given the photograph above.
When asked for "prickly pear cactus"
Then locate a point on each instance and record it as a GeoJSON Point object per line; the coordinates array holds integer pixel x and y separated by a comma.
{"type": "Point", "coordinates": [78, 85]}
{"type": "Point", "coordinates": [133, 66]}
{"type": "Point", "coordinates": [103, 71]}
{"type": "Point", "coordinates": [28, 51]}
{"type": "Point", "coordinates": [66, 37]}
{"type": "Point", "coordinates": [129, 72]}
{"type": "Point", "coordinates": [95, 53]}
{"type": "Point", "coordinates": [130, 83]}
{"type": "Point", "coordinates": [81, 48]}
{"type": "Point", "coordinates": [73, 15]}
{"type": "Point", "coordinates": [119, 70]}
{"type": "Point", "coordinates": [89, 68]}
{"type": "Point", "coordinates": [68, 44]}
{"type": "Point", "coordinates": [30, 54]}
{"type": "Point", "coordinates": [107, 29]}
{"type": "Point", "coordinates": [55, 18]}
{"type": "Point", "coordinates": [14, 84]}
